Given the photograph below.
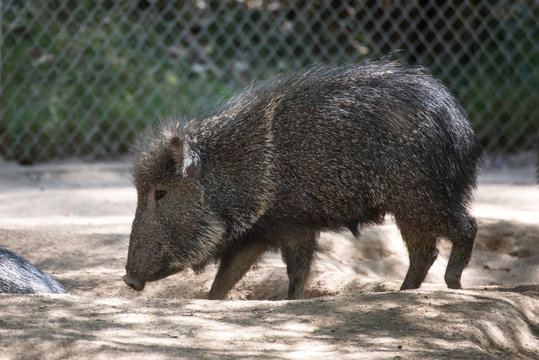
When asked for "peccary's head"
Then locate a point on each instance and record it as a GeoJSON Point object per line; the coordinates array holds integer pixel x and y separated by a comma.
{"type": "Point", "coordinates": [173, 227]}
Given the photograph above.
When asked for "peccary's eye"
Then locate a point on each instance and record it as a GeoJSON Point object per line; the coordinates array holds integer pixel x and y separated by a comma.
{"type": "Point", "coordinates": [159, 194]}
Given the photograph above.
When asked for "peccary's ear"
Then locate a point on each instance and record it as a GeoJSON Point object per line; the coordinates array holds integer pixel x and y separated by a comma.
{"type": "Point", "coordinates": [187, 159]}
{"type": "Point", "coordinates": [191, 165]}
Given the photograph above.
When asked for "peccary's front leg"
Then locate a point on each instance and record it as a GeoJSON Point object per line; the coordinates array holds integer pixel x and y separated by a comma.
{"type": "Point", "coordinates": [234, 264]}
{"type": "Point", "coordinates": [298, 250]}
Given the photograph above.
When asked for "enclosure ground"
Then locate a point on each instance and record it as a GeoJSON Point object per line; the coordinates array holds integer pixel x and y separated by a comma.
{"type": "Point", "coordinates": [73, 221]}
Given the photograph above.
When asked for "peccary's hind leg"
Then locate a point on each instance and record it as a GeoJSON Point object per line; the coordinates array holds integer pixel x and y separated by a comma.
{"type": "Point", "coordinates": [422, 252]}
{"type": "Point", "coordinates": [298, 250]}
{"type": "Point", "coordinates": [462, 235]}
{"type": "Point", "coordinates": [233, 266]}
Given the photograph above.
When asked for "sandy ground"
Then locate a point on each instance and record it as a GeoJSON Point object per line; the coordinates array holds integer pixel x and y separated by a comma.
{"type": "Point", "coordinates": [73, 221]}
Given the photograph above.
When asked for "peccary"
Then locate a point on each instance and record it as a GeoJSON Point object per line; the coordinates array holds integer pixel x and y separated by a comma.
{"type": "Point", "coordinates": [326, 148]}
{"type": "Point", "coordinates": [19, 276]}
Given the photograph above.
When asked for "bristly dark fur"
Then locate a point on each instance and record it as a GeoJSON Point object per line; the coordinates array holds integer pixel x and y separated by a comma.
{"type": "Point", "coordinates": [325, 148]}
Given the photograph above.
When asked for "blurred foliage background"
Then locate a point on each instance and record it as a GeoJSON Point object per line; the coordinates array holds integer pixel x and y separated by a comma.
{"type": "Point", "coordinates": [82, 78]}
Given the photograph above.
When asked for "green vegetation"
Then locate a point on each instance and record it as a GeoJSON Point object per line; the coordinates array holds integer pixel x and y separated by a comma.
{"type": "Point", "coordinates": [499, 83]}
{"type": "Point", "coordinates": [83, 84]}
{"type": "Point", "coordinates": [82, 78]}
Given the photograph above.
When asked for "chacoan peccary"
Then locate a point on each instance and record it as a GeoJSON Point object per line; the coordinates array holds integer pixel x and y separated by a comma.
{"type": "Point", "coordinates": [18, 276]}
{"type": "Point", "coordinates": [326, 148]}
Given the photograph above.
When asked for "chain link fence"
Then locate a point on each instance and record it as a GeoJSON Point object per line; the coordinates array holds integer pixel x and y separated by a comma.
{"type": "Point", "coordinates": [82, 78]}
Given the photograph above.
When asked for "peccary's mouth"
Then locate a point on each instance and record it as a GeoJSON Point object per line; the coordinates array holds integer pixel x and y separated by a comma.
{"type": "Point", "coordinates": [138, 284]}
{"type": "Point", "coordinates": [133, 283]}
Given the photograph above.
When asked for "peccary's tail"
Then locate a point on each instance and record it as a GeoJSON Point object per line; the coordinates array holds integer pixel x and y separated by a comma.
{"type": "Point", "coordinates": [461, 147]}
{"type": "Point", "coordinates": [468, 150]}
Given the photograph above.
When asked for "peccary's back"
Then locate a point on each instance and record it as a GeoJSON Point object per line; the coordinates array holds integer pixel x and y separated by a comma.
{"type": "Point", "coordinates": [360, 140]}
{"type": "Point", "coordinates": [331, 146]}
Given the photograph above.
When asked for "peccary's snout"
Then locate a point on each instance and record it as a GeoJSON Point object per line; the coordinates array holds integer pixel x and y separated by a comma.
{"type": "Point", "coordinates": [133, 283]}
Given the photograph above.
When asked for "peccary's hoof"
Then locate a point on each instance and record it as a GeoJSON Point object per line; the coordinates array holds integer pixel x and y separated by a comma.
{"type": "Point", "coordinates": [454, 285]}
{"type": "Point", "coordinates": [452, 282]}
{"type": "Point", "coordinates": [133, 283]}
